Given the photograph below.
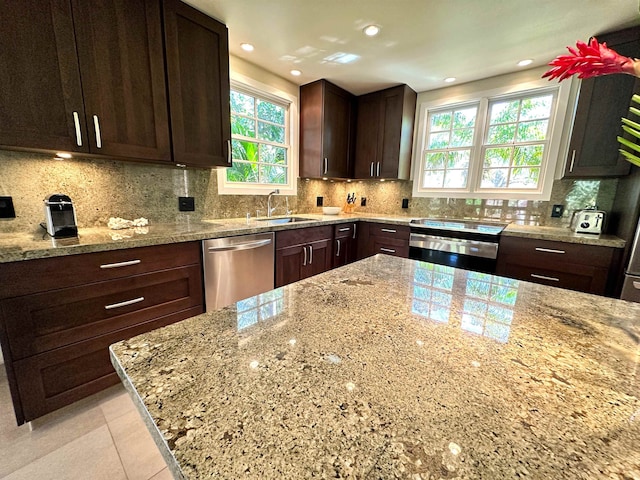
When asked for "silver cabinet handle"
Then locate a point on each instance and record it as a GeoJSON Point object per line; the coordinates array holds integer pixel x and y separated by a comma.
{"type": "Point", "coordinates": [371, 170]}
{"type": "Point", "coordinates": [326, 165]}
{"type": "Point", "coordinates": [310, 254]}
{"type": "Point", "coordinates": [338, 252]}
{"type": "Point", "coordinates": [76, 123]}
{"type": "Point", "coordinates": [542, 277]}
{"type": "Point", "coordinates": [344, 229]}
{"type": "Point", "coordinates": [229, 162]}
{"type": "Point", "coordinates": [120, 264]}
{"type": "Point", "coordinates": [388, 250]}
{"type": "Point", "coordinates": [240, 246]}
{"type": "Point", "coordinates": [304, 262]}
{"type": "Point", "coordinates": [388, 230]}
{"type": "Point", "coordinates": [96, 126]}
{"type": "Point", "coordinates": [124, 304]}
{"type": "Point", "coordinates": [549, 250]}
{"type": "Point", "coordinates": [378, 170]}
{"type": "Point", "coordinates": [354, 230]}
{"type": "Point", "coordinates": [573, 160]}
{"type": "Point", "coordinates": [636, 285]}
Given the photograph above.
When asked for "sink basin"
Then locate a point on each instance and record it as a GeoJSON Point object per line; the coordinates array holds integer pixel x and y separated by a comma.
{"type": "Point", "coordinates": [279, 221]}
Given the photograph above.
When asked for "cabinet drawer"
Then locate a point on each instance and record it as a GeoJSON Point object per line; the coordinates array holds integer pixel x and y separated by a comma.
{"type": "Point", "coordinates": [31, 276]}
{"type": "Point", "coordinates": [344, 230]}
{"type": "Point", "coordinates": [583, 278]}
{"type": "Point", "coordinates": [548, 254]}
{"type": "Point", "coordinates": [300, 236]}
{"type": "Point", "coordinates": [44, 321]}
{"type": "Point", "coordinates": [62, 376]}
{"type": "Point", "coordinates": [390, 246]}
{"type": "Point", "coordinates": [389, 231]}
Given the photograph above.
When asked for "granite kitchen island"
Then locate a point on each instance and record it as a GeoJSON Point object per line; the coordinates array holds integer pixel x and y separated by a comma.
{"type": "Point", "coordinates": [390, 368]}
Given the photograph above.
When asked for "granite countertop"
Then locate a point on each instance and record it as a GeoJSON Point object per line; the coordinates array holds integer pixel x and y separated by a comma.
{"type": "Point", "coordinates": [390, 368]}
{"type": "Point", "coordinates": [26, 246]}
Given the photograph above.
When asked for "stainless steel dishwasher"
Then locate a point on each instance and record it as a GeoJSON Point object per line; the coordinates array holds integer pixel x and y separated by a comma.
{"type": "Point", "coordinates": [236, 268]}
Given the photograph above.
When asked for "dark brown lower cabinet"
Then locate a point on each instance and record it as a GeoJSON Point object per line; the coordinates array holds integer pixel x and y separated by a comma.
{"type": "Point", "coordinates": [55, 340]}
{"type": "Point", "coordinates": [345, 244]}
{"type": "Point", "coordinates": [389, 239]}
{"type": "Point", "coordinates": [302, 253]}
{"type": "Point", "coordinates": [573, 266]}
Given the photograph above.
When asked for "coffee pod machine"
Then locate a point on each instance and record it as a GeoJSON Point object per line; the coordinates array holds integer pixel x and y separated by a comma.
{"type": "Point", "coordinates": [60, 216]}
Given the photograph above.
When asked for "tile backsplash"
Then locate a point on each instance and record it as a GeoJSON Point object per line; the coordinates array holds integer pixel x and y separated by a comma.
{"type": "Point", "coordinates": [103, 188]}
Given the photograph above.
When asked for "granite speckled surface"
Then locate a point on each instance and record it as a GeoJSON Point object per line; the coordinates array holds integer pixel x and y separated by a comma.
{"type": "Point", "coordinates": [390, 368]}
{"type": "Point", "coordinates": [16, 247]}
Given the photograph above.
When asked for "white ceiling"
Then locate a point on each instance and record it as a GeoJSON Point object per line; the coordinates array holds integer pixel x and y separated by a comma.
{"type": "Point", "coordinates": [421, 42]}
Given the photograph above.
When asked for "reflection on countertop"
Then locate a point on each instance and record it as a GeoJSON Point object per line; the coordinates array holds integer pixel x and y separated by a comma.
{"type": "Point", "coordinates": [391, 368]}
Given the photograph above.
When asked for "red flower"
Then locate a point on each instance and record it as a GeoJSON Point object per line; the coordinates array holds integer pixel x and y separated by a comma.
{"type": "Point", "coordinates": [591, 60]}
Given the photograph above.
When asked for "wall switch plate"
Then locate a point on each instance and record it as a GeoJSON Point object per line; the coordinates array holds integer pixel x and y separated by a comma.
{"type": "Point", "coordinates": [319, 201]}
{"type": "Point", "coordinates": [557, 210]}
{"type": "Point", "coordinates": [6, 208]}
{"type": "Point", "coordinates": [405, 203]}
{"type": "Point", "coordinates": [363, 201]}
{"type": "Point", "coordinates": [186, 204]}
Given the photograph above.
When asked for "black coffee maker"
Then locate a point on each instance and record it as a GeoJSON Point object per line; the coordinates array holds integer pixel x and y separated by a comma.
{"type": "Point", "coordinates": [60, 217]}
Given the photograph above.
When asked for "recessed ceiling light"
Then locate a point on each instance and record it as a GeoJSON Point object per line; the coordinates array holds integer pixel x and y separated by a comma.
{"type": "Point", "coordinates": [247, 47]}
{"type": "Point", "coordinates": [524, 63]}
{"type": "Point", "coordinates": [450, 79]}
{"type": "Point", "coordinates": [371, 30]}
{"type": "Point", "coordinates": [296, 73]}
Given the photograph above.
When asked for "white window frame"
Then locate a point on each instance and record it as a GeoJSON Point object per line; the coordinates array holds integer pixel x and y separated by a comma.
{"type": "Point", "coordinates": [253, 87]}
{"type": "Point", "coordinates": [554, 151]}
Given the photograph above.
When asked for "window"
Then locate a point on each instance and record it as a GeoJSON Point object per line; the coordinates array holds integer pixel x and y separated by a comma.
{"type": "Point", "coordinates": [261, 142]}
{"type": "Point", "coordinates": [500, 145]}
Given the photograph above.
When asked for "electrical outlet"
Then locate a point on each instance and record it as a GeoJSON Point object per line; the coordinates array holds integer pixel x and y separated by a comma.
{"type": "Point", "coordinates": [319, 201]}
{"type": "Point", "coordinates": [363, 201]}
{"type": "Point", "coordinates": [186, 204]}
{"type": "Point", "coordinates": [557, 210]}
{"type": "Point", "coordinates": [6, 208]}
{"type": "Point", "coordinates": [405, 203]}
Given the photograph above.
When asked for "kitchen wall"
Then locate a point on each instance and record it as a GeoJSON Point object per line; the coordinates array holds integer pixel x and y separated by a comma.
{"type": "Point", "coordinates": [102, 188]}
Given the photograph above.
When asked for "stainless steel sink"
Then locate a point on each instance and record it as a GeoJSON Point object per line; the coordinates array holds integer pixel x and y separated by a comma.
{"type": "Point", "coordinates": [279, 221]}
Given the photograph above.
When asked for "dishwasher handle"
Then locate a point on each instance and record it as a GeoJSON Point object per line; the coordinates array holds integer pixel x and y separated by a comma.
{"type": "Point", "coordinates": [240, 246]}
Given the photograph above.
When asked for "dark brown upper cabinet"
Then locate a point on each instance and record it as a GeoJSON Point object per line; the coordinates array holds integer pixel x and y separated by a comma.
{"type": "Point", "coordinates": [197, 49]}
{"type": "Point", "coordinates": [593, 151]}
{"type": "Point", "coordinates": [327, 117]}
{"type": "Point", "coordinates": [384, 134]}
{"type": "Point", "coordinates": [84, 77]}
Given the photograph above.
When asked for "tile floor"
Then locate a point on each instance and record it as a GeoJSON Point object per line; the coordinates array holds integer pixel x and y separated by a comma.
{"type": "Point", "coordinates": [100, 437]}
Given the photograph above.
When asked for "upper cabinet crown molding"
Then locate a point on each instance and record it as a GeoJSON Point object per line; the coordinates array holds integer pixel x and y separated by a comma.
{"type": "Point", "coordinates": [602, 101]}
{"type": "Point", "coordinates": [89, 77]}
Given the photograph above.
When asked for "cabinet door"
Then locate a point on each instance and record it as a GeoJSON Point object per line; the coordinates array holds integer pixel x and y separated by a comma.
{"type": "Point", "coordinates": [121, 61]}
{"type": "Point", "coordinates": [397, 112]}
{"type": "Point", "coordinates": [197, 49]}
{"type": "Point", "coordinates": [336, 131]}
{"type": "Point", "coordinates": [40, 95]}
{"type": "Point", "coordinates": [318, 258]}
{"type": "Point", "coordinates": [593, 151]}
{"type": "Point", "coordinates": [366, 156]}
{"type": "Point", "coordinates": [289, 264]}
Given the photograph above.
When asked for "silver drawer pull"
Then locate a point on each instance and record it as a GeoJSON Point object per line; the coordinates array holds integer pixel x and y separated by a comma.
{"type": "Point", "coordinates": [549, 250]}
{"type": "Point", "coordinates": [310, 254]}
{"type": "Point", "coordinates": [120, 264]}
{"type": "Point", "coordinates": [344, 229]}
{"type": "Point", "coordinates": [338, 252]}
{"type": "Point", "coordinates": [124, 304]}
{"type": "Point", "coordinates": [96, 126]}
{"type": "Point", "coordinates": [542, 277]}
{"type": "Point", "coordinates": [388, 230]}
{"type": "Point", "coordinates": [387, 250]}
{"type": "Point", "coordinates": [76, 123]}
{"type": "Point", "coordinates": [355, 225]}
{"type": "Point", "coordinates": [636, 285]}
{"type": "Point", "coordinates": [304, 262]}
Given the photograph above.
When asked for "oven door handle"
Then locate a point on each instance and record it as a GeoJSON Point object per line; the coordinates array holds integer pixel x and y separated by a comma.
{"type": "Point", "coordinates": [474, 248]}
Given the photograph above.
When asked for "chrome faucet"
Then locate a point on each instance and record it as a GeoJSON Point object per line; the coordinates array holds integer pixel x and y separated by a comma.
{"type": "Point", "coordinates": [269, 209]}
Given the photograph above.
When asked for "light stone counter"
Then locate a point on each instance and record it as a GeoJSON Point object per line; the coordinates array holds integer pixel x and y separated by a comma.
{"type": "Point", "coordinates": [17, 247]}
{"type": "Point", "coordinates": [390, 368]}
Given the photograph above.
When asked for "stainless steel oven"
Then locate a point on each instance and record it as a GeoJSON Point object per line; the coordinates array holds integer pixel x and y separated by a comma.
{"type": "Point", "coordinates": [467, 244]}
